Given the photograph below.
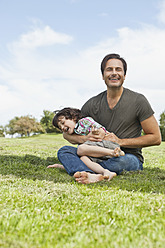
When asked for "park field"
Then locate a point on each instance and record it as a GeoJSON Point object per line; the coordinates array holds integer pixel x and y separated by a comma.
{"type": "Point", "coordinates": [46, 208]}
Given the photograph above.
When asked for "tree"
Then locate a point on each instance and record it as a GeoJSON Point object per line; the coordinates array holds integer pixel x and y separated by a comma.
{"type": "Point", "coordinates": [2, 131]}
{"type": "Point", "coordinates": [24, 125]}
{"type": "Point", "coordinates": [46, 122]}
{"type": "Point", "coordinates": [162, 125]}
{"type": "Point", "coordinates": [9, 128]}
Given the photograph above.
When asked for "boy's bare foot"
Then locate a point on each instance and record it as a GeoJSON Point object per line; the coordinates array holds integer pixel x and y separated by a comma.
{"type": "Point", "coordinates": [118, 152]}
{"type": "Point", "coordinates": [122, 153]}
{"type": "Point", "coordinates": [56, 166]}
{"type": "Point", "coordinates": [86, 177]}
{"type": "Point", "coordinates": [109, 174]}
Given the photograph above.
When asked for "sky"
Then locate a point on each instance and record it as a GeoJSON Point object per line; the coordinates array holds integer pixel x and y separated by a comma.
{"type": "Point", "coordinates": [51, 51]}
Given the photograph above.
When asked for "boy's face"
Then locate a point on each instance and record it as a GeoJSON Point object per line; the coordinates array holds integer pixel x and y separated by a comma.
{"type": "Point", "coordinates": [66, 125]}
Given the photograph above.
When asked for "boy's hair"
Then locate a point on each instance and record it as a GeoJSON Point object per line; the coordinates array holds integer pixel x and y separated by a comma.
{"type": "Point", "coordinates": [113, 56]}
{"type": "Point", "coordinates": [68, 113]}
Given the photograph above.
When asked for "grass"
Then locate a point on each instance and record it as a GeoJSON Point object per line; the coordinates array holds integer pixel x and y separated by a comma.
{"type": "Point", "coordinates": [46, 208]}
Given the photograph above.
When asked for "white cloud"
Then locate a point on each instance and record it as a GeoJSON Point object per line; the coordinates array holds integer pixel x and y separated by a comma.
{"type": "Point", "coordinates": [41, 37]}
{"type": "Point", "coordinates": [34, 82]}
{"type": "Point", "coordinates": [161, 15]}
{"type": "Point", "coordinates": [8, 99]}
{"type": "Point", "coordinates": [144, 52]}
{"type": "Point", "coordinates": [9, 104]}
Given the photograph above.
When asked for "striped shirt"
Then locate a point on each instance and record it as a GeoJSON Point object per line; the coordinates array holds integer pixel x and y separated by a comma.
{"type": "Point", "coordinates": [84, 126]}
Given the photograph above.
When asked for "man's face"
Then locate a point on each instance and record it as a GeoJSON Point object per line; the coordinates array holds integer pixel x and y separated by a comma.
{"type": "Point", "coordinates": [114, 73]}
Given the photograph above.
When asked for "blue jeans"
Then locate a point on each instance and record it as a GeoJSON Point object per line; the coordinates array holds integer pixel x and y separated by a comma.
{"type": "Point", "coordinates": [67, 155]}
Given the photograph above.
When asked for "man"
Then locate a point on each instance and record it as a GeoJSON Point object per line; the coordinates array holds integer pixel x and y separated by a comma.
{"type": "Point", "coordinates": [125, 114]}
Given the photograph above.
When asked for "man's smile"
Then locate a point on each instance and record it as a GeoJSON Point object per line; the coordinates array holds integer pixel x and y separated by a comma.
{"type": "Point", "coordinates": [114, 79]}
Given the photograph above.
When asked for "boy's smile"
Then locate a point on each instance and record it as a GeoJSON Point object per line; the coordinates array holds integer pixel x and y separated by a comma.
{"type": "Point", "coordinates": [66, 125]}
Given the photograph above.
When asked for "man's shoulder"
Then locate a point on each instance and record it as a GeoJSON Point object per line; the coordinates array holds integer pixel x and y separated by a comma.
{"type": "Point", "coordinates": [134, 94]}
{"type": "Point", "coordinates": [92, 106]}
{"type": "Point", "coordinates": [128, 91]}
{"type": "Point", "coordinates": [98, 96]}
{"type": "Point", "coordinates": [138, 100]}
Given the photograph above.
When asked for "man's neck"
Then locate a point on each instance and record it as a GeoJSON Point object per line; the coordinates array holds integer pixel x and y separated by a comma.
{"type": "Point", "coordinates": [113, 96]}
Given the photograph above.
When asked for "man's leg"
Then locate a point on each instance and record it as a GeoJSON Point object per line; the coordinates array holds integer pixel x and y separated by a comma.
{"type": "Point", "coordinates": [59, 166]}
{"type": "Point", "coordinates": [67, 155]}
{"type": "Point", "coordinates": [129, 162]}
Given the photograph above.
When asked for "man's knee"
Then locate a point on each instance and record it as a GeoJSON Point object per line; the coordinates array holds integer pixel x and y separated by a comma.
{"type": "Point", "coordinates": [128, 162]}
{"type": "Point", "coordinates": [61, 150]}
{"type": "Point", "coordinates": [66, 149]}
{"type": "Point", "coordinates": [131, 163]}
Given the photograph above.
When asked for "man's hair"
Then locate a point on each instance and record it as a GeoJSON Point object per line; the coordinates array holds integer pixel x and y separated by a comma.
{"type": "Point", "coordinates": [68, 113]}
{"type": "Point", "coordinates": [113, 56]}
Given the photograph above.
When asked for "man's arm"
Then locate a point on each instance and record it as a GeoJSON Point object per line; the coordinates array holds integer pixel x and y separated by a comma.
{"type": "Point", "coordinates": [96, 134]}
{"type": "Point", "coordinates": [75, 138]}
{"type": "Point", "coordinates": [152, 136]}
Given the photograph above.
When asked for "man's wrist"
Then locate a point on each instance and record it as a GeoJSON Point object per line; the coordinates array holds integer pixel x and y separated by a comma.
{"type": "Point", "coordinates": [121, 142]}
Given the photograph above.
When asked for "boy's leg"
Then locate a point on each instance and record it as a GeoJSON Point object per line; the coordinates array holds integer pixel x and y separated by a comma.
{"type": "Point", "coordinates": [97, 168]}
{"type": "Point", "coordinates": [98, 151]}
{"type": "Point", "coordinates": [67, 155]}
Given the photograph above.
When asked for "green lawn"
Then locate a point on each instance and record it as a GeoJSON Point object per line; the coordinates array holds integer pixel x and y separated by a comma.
{"type": "Point", "coordinates": [46, 208]}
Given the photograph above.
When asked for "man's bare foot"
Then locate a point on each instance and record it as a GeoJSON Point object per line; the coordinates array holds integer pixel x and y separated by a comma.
{"type": "Point", "coordinates": [109, 174]}
{"type": "Point", "coordinates": [118, 152]}
{"type": "Point", "coordinates": [56, 166]}
{"type": "Point", "coordinates": [86, 177]}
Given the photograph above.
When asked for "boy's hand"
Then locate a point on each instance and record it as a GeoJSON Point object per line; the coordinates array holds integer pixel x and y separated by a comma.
{"type": "Point", "coordinates": [95, 131]}
{"type": "Point", "coordinates": [96, 134]}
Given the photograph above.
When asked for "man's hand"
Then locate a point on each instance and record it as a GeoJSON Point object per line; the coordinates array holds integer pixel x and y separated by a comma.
{"type": "Point", "coordinates": [112, 137]}
{"type": "Point", "coordinates": [96, 134]}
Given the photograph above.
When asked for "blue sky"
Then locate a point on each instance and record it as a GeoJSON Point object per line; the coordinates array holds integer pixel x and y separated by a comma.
{"type": "Point", "coordinates": [51, 52]}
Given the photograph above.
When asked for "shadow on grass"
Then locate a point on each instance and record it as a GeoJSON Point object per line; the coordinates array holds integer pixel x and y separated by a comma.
{"type": "Point", "coordinates": [32, 167]}
{"type": "Point", "coordinates": [150, 180]}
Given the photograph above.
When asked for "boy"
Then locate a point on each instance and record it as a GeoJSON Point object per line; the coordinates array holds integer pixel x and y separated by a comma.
{"type": "Point", "coordinates": [70, 120]}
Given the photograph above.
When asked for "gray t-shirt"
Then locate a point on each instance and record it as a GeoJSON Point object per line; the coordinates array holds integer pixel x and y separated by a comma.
{"type": "Point", "coordinates": [124, 119]}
